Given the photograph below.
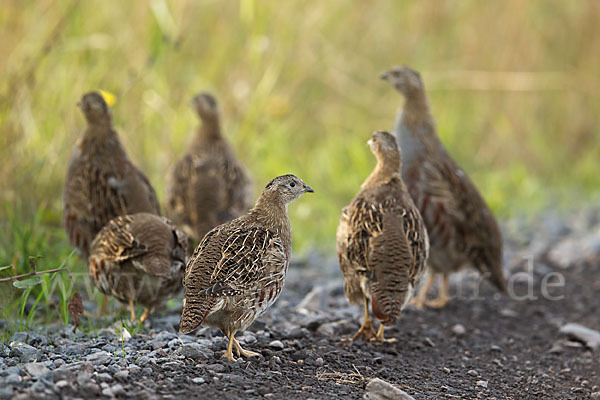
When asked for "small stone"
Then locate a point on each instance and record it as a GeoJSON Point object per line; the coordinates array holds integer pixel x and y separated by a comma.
{"type": "Point", "coordinates": [147, 371]}
{"type": "Point", "coordinates": [589, 337]}
{"type": "Point", "coordinates": [378, 389]}
{"type": "Point", "coordinates": [12, 379]}
{"type": "Point", "coordinates": [134, 369]}
{"type": "Point", "coordinates": [595, 396]}
{"type": "Point", "coordinates": [319, 362]}
{"type": "Point", "coordinates": [61, 384]}
{"type": "Point", "coordinates": [104, 377]}
{"type": "Point", "coordinates": [459, 330]}
{"type": "Point", "coordinates": [193, 351]}
{"type": "Point", "coordinates": [496, 348]}
{"type": "Point", "coordinates": [198, 380]}
{"type": "Point", "coordinates": [107, 392]}
{"type": "Point", "coordinates": [446, 370]}
{"type": "Point", "coordinates": [276, 344]}
{"type": "Point", "coordinates": [122, 375]}
{"type": "Point", "coordinates": [218, 368]}
{"type": "Point", "coordinates": [118, 390]}
{"type": "Point", "coordinates": [36, 369]}
{"type": "Point", "coordinates": [428, 342]}
{"type": "Point", "coordinates": [24, 352]}
{"type": "Point", "coordinates": [6, 392]}
{"type": "Point", "coordinates": [472, 372]}
{"type": "Point", "coordinates": [38, 387]}
{"type": "Point", "coordinates": [482, 383]}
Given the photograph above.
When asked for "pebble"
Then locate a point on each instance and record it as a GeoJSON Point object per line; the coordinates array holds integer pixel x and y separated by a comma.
{"type": "Point", "coordinates": [12, 379]}
{"type": "Point", "coordinates": [6, 392]}
{"type": "Point", "coordinates": [319, 362]}
{"type": "Point", "coordinates": [100, 357]}
{"type": "Point", "coordinates": [590, 337]}
{"type": "Point", "coordinates": [218, 368]}
{"type": "Point", "coordinates": [482, 383]}
{"type": "Point", "coordinates": [118, 390]}
{"type": "Point", "coordinates": [378, 389]}
{"type": "Point", "coordinates": [459, 330]}
{"type": "Point", "coordinates": [472, 372]}
{"type": "Point", "coordinates": [122, 375]}
{"type": "Point", "coordinates": [276, 344]}
{"type": "Point", "coordinates": [24, 352]}
{"type": "Point", "coordinates": [198, 380]}
{"type": "Point", "coordinates": [35, 369]}
{"type": "Point", "coordinates": [194, 351]}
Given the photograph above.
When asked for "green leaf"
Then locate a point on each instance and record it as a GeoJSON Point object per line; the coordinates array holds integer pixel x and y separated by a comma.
{"type": "Point", "coordinates": [5, 267]}
{"type": "Point", "coordinates": [27, 283]}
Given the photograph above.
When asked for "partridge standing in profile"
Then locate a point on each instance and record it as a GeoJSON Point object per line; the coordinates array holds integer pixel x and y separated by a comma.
{"type": "Point", "coordinates": [462, 229]}
{"type": "Point", "coordinates": [139, 258]}
{"type": "Point", "coordinates": [208, 186]}
{"type": "Point", "coordinates": [239, 268]}
{"type": "Point", "coordinates": [102, 183]}
{"type": "Point", "coordinates": [381, 241]}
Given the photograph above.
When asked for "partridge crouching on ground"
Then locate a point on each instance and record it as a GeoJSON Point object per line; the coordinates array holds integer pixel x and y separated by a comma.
{"type": "Point", "coordinates": [239, 268]}
{"type": "Point", "coordinates": [382, 243]}
{"type": "Point", "coordinates": [139, 258]}
{"type": "Point", "coordinates": [462, 229]}
{"type": "Point", "coordinates": [101, 183]}
{"type": "Point", "coordinates": [208, 186]}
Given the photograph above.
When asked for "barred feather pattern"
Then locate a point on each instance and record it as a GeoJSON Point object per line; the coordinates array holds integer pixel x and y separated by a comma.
{"type": "Point", "coordinates": [382, 248]}
{"type": "Point", "coordinates": [139, 257]}
{"type": "Point", "coordinates": [235, 274]}
{"type": "Point", "coordinates": [101, 184]}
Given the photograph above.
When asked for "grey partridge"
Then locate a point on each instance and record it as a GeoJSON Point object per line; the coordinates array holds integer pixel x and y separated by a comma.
{"type": "Point", "coordinates": [208, 186]}
{"type": "Point", "coordinates": [139, 258]}
{"type": "Point", "coordinates": [382, 243]}
{"type": "Point", "coordinates": [462, 229]}
{"type": "Point", "coordinates": [102, 183]}
{"type": "Point", "coordinates": [238, 269]}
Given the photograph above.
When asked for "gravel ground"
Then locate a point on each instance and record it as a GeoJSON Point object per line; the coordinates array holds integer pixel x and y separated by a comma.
{"type": "Point", "coordinates": [482, 346]}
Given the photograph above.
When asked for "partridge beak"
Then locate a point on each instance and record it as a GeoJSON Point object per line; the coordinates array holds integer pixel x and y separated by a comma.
{"type": "Point", "coordinates": [385, 75]}
{"type": "Point", "coordinates": [79, 104]}
{"type": "Point", "coordinates": [308, 189]}
{"type": "Point", "coordinates": [370, 142]}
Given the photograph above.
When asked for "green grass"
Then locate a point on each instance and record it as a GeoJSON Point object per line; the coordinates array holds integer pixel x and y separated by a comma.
{"type": "Point", "coordinates": [513, 86]}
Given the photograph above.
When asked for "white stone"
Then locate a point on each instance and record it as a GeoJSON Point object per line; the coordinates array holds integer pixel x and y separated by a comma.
{"type": "Point", "coordinates": [378, 389]}
{"type": "Point", "coordinates": [590, 337]}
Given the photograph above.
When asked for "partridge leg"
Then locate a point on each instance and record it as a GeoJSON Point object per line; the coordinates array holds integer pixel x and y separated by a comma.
{"type": "Point", "coordinates": [421, 298]}
{"type": "Point", "coordinates": [379, 337]}
{"type": "Point", "coordinates": [145, 314]}
{"type": "Point", "coordinates": [242, 352]}
{"type": "Point", "coordinates": [367, 325]}
{"type": "Point", "coordinates": [132, 310]}
{"type": "Point", "coordinates": [229, 354]}
{"type": "Point", "coordinates": [443, 297]}
{"type": "Point", "coordinates": [104, 306]}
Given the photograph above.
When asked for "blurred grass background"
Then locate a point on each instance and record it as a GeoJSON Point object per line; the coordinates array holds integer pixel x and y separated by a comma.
{"type": "Point", "coordinates": [513, 86]}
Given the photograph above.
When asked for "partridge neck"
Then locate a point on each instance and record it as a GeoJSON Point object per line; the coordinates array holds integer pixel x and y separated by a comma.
{"type": "Point", "coordinates": [387, 166]}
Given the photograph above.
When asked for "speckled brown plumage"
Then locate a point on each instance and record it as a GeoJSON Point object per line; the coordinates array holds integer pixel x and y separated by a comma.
{"type": "Point", "coordinates": [139, 258]}
{"type": "Point", "coordinates": [102, 183]}
{"type": "Point", "coordinates": [208, 186]}
{"type": "Point", "coordinates": [462, 229]}
{"type": "Point", "coordinates": [238, 270]}
{"type": "Point", "coordinates": [381, 241]}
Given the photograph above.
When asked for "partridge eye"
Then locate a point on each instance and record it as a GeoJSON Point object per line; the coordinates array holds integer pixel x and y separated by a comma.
{"type": "Point", "coordinates": [292, 184]}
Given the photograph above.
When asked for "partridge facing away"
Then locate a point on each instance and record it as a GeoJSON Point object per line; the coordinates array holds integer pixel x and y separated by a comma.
{"type": "Point", "coordinates": [462, 229]}
{"type": "Point", "coordinates": [208, 186]}
{"type": "Point", "coordinates": [139, 258]}
{"type": "Point", "coordinates": [239, 268]}
{"type": "Point", "coordinates": [382, 243]}
{"type": "Point", "coordinates": [102, 183]}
